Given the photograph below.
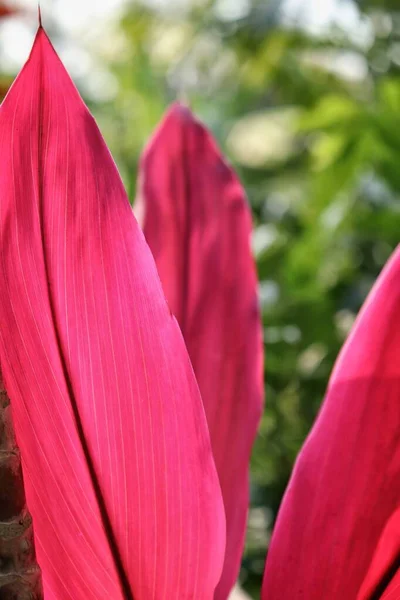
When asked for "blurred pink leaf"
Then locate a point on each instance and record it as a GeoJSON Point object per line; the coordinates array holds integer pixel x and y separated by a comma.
{"type": "Point", "coordinates": [118, 468]}
{"type": "Point", "coordinates": [345, 486]}
{"type": "Point", "coordinates": [6, 10]}
{"type": "Point", "coordinates": [198, 224]}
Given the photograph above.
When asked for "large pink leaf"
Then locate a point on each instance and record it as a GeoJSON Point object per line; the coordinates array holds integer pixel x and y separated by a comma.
{"type": "Point", "coordinates": [198, 225]}
{"type": "Point", "coordinates": [345, 487]}
{"type": "Point", "coordinates": [117, 461]}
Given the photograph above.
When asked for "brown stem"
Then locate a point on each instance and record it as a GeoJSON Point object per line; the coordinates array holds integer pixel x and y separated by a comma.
{"type": "Point", "coordinates": [20, 577]}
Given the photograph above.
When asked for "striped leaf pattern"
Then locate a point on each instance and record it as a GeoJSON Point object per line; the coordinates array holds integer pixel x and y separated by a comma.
{"type": "Point", "coordinates": [117, 461]}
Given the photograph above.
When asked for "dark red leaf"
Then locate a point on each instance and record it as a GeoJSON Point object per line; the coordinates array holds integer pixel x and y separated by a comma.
{"type": "Point", "coordinates": [198, 225]}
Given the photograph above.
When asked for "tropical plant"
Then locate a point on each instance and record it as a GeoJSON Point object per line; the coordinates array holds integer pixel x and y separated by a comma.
{"type": "Point", "coordinates": [197, 223]}
{"type": "Point", "coordinates": [119, 466]}
{"type": "Point", "coordinates": [19, 571]}
{"type": "Point", "coordinates": [308, 117]}
{"type": "Point", "coordinates": [337, 533]}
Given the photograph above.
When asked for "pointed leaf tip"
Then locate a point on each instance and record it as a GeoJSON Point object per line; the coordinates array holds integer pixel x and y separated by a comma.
{"type": "Point", "coordinates": [119, 473]}
{"type": "Point", "coordinates": [197, 223]}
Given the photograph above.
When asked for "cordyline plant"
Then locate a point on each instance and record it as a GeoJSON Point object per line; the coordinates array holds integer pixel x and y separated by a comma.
{"type": "Point", "coordinates": [197, 222]}
{"type": "Point", "coordinates": [118, 467]}
{"type": "Point", "coordinates": [123, 466]}
{"type": "Point", "coordinates": [119, 471]}
{"type": "Point", "coordinates": [338, 529]}
{"type": "Point", "coordinates": [19, 571]}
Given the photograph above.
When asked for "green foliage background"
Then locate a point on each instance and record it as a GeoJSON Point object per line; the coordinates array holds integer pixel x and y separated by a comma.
{"type": "Point", "coordinates": [311, 121]}
{"type": "Point", "coordinates": [318, 151]}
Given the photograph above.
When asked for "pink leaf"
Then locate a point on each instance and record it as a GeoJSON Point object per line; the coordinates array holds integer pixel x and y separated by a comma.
{"type": "Point", "coordinates": [117, 461]}
{"type": "Point", "coordinates": [346, 482]}
{"type": "Point", "coordinates": [392, 591]}
{"type": "Point", "coordinates": [197, 223]}
{"type": "Point", "coordinates": [385, 562]}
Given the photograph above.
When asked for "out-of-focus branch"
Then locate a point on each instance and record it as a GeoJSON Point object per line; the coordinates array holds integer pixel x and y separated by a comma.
{"type": "Point", "coordinates": [6, 9]}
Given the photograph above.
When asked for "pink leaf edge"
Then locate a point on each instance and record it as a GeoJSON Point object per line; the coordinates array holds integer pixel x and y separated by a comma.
{"type": "Point", "coordinates": [197, 222]}
{"type": "Point", "coordinates": [118, 467]}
